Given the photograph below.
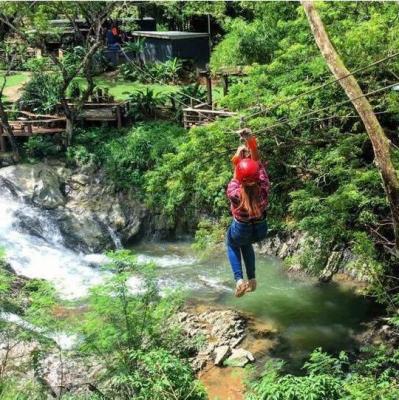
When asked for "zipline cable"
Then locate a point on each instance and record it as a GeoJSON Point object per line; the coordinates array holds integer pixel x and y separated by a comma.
{"type": "Point", "coordinates": [285, 120]}
{"type": "Point", "coordinates": [330, 82]}
{"type": "Point", "coordinates": [288, 101]}
{"type": "Point", "coordinates": [298, 119]}
{"type": "Point", "coordinates": [313, 90]}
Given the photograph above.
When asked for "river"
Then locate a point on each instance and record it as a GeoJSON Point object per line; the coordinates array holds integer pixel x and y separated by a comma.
{"type": "Point", "coordinates": [307, 315]}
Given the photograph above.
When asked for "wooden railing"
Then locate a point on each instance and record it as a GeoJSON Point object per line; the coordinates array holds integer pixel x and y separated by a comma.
{"type": "Point", "coordinates": [108, 112]}
{"type": "Point", "coordinates": [30, 124]}
{"type": "Point", "coordinates": [201, 114]}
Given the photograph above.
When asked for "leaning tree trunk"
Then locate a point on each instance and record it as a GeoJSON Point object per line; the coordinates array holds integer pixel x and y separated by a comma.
{"type": "Point", "coordinates": [380, 142]}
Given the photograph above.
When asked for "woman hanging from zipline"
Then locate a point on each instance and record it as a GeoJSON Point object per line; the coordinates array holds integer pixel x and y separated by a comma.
{"type": "Point", "coordinates": [248, 195]}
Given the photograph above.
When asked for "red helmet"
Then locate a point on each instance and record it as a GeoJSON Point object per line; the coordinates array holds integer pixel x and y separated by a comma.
{"type": "Point", "coordinates": [247, 170]}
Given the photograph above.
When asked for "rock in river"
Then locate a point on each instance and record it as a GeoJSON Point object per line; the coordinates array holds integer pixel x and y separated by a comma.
{"type": "Point", "coordinates": [221, 353]}
{"type": "Point", "coordinates": [90, 214]}
{"type": "Point", "coordinates": [37, 183]}
{"type": "Point", "coordinates": [222, 331]}
{"type": "Point", "coordinates": [240, 358]}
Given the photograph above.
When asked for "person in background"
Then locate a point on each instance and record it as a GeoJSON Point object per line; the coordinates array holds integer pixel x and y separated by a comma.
{"type": "Point", "coordinates": [248, 195]}
{"type": "Point", "coordinates": [113, 38]}
{"type": "Point", "coordinates": [114, 41]}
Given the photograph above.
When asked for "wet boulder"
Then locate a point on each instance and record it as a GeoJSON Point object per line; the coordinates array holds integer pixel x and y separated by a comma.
{"type": "Point", "coordinates": [91, 215]}
{"type": "Point", "coordinates": [239, 358]}
{"type": "Point", "coordinates": [92, 195]}
{"type": "Point", "coordinates": [84, 232]}
{"type": "Point", "coordinates": [38, 183]}
{"type": "Point", "coordinates": [221, 353]}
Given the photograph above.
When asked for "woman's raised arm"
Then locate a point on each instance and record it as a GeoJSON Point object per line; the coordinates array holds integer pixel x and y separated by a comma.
{"type": "Point", "coordinates": [251, 143]}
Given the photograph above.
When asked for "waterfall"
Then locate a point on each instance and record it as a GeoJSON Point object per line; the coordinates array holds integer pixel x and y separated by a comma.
{"type": "Point", "coordinates": [115, 238]}
{"type": "Point", "coordinates": [34, 248]}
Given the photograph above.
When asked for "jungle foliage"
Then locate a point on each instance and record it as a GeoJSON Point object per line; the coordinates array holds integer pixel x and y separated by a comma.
{"type": "Point", "coordinates": [168, 72]}
{"type": "Point", "coordinates": [121, 330]}
{"type": "Point", "coordinates": [373, 377]}
{"type": "Point", "coordinates": [126, 155]}
{"type": "Point", "coordinates": [324, 182]}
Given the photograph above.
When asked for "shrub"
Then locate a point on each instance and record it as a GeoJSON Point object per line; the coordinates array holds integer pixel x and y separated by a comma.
{"type": "Point", "coordinates": [130, 72]}
{"type": "Point", "coordinates": [143, 104]}
{"type": "Point", "coordinates": [127, 330]}
{"type": "Point", "coordinates": [166, 72]}
{"type": "Point", "coordinates": [17, 389]}
{"type": "Point", "coordinates": [332, 378]}
{"type": "Point", "coordinates": [42, 93]}
{"type": "Point", "coordinates": [38, 147]}
{"type": "Point", "coordinates": [169, 71]}
{"type": "Point", "coordinates": [143, 350]}
{"type": "Point", "coordinates": [127, 158]}
{"type": "Point", "coordinates": [80, 156]}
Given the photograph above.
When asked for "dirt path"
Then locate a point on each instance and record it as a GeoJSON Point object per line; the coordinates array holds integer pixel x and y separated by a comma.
{"type": "Point", "coordinates": [13, 93]}
{"type": "Point", "coordinates": [223, 383]}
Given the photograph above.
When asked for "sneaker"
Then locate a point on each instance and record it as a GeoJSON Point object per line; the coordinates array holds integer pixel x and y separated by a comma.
{"type": "Point", "coordinates": [241, 288]}
{"type": "Point", "coordinates": [251, 286]}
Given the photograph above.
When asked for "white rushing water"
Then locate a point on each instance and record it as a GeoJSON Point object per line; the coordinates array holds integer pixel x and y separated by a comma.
{"type": "Point", "coordinates": [35, 248]}
{"type": "Point", "coordinates": [63, 340]}
{"type": "Point", "coordinates": [43, 255]}
{"type": "Point", "coordinates": [166, 261]}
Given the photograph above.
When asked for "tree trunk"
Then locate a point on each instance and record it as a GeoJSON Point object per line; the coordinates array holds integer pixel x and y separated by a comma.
{"type": "Point", "coordinates": [69, 130]}
{"type": "Point", "coordinates": [8, 130]}
{"type": "Point", "coordinates": [380, 142]}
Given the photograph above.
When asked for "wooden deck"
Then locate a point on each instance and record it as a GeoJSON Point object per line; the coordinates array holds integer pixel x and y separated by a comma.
{"type": "Point", "coordinates": [104, 112]}
{"type": "Point", "coordinates": [29, 124]}
{"type": "Point", "coordinates": [32, 125]}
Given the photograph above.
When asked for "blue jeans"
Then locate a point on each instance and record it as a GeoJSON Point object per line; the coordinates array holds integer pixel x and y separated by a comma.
{"type": "Point", "coordinates": [240, 237]}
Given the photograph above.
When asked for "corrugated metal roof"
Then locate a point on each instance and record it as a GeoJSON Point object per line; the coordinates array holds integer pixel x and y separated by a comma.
{"type": "Point", "coordinates": [171, 35]}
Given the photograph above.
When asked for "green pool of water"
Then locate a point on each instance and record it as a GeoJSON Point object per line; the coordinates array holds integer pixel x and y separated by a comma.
{"type": "Point", "coordinates": [307, 314]}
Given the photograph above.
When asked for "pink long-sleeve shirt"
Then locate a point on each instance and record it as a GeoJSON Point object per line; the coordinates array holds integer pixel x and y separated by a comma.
{"type": "Point", "coordinates": [234, 190]}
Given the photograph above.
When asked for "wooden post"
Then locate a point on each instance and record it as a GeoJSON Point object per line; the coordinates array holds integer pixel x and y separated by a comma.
{"type": "Point", "coordinates": [185, 124]}
{"type": "Point", "coordinates": [118, 117]}
{"type": "Point", "coordinates": [225, 80]}
{"type": "Point", "coordinates": [209, 89]}
{"type": "Point", "coordinates": [28, 129]}
{"type": "Point", "coordinates": [209, 33]}
{"type": "Point", "coordinates": [379, 141]}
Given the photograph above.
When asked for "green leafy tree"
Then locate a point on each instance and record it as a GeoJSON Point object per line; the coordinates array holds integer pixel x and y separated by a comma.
{"type": "Point", "coordinates": [126, 330]}
{"type": "Point", "coordinates": [27, 327]}
{"type": "Point", "coordinates": [30, 23]}
{"type": "Point", "coordinates": [128, 158]}
{"type": "Point", "coordinates": [133, 337]}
